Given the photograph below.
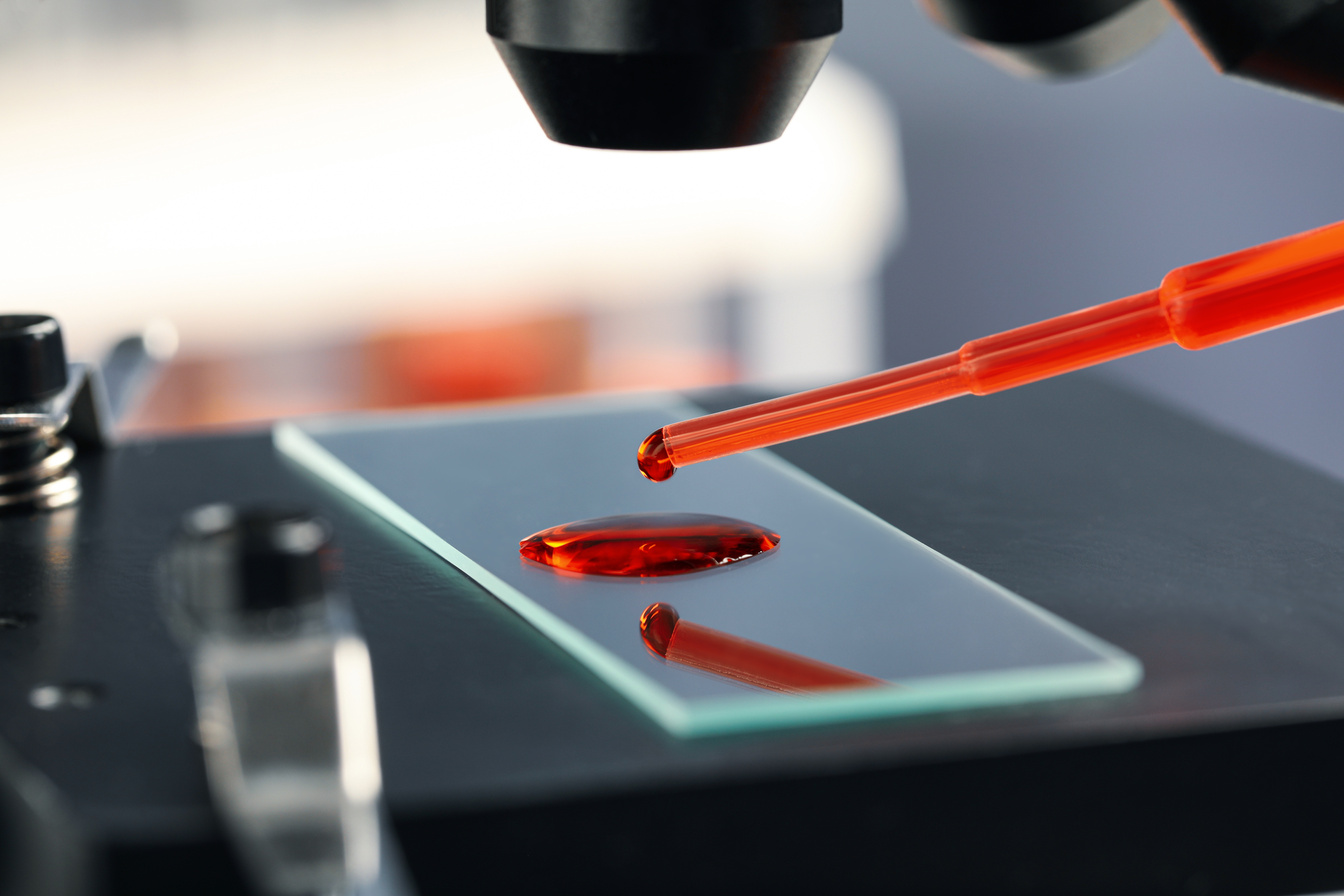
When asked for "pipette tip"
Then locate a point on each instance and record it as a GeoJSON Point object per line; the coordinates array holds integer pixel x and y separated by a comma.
{"type": "Point", "coordinates": [654, 461]}
{"type": "Point", "coordinates": [657, 624]}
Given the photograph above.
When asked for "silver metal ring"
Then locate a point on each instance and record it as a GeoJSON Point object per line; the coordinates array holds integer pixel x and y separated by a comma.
{"type": "Point", "coordinates": [46, 484]}
{"type": "Point", "coordinates": [19, 437]}
{"type": "Point", "coordinates": [53, 464]}
{"type": "Point", "coordinates": [46, 496]}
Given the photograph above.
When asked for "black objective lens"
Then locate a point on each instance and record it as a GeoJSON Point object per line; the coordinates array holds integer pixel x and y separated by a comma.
{"type": "Point", "coordinates": [1052, 38]}
{"type": "Point", "coordinates": [1295, 45]}
{"type": "Point", "coordinates": [663, 74]}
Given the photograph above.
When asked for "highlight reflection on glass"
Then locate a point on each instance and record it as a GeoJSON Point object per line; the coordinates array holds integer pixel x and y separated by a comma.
{"type": "Point", "coordinates": [750, 662]}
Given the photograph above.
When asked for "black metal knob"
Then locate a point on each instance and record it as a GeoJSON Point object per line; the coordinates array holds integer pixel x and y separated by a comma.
{"type": "Point", "coordinates": [32, 358]}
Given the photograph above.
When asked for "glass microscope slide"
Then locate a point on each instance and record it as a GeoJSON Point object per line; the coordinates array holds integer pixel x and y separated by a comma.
{"type": "Point", "coordinates": [881, 624]}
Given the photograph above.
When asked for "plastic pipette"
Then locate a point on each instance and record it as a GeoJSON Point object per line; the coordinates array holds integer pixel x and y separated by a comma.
{"type": "Point", "coordinates": [1196, 306]}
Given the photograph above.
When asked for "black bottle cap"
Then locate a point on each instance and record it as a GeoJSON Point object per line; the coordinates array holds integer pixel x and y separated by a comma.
{"type": "Point", "coordinates": [32, 358]}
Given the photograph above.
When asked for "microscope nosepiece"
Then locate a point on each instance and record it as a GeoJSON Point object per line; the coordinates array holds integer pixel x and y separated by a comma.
{"type": "Point", "coordinates": [663, 74]}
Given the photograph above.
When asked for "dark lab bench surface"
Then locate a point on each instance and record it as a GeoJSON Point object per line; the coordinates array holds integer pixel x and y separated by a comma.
{"type": "Point", "coordinates": [508, 767]}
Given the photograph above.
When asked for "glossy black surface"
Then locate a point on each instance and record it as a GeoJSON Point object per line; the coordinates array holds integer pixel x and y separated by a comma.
{"type": "Point", "coordinates": [1216, 564]}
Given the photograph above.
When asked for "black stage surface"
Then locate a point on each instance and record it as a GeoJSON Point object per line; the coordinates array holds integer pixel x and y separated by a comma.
{"type": "Point", "coordinates": [509, 768]}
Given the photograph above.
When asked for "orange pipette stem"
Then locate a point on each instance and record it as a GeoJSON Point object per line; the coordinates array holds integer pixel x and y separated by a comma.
{"type": "Point", "coordinates": [1196, 306]}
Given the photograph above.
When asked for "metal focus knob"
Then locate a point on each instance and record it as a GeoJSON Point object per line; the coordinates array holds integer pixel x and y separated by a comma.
{"type": "Point", "coordinates": [32, 358]}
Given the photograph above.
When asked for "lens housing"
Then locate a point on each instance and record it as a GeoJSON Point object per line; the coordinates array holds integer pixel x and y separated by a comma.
{"type": "Point", "coordinates": [1052, 38]}
{"type": "Point", "coordinates": [1296, 46]}
{"type": "Point", "coordinates": [663, 74]}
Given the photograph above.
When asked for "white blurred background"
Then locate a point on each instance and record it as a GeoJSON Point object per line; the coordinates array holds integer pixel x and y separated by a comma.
{"type": "Point", "coordinates": [337, 203]}
{"type": "Point", "coordinates": [345, 203]}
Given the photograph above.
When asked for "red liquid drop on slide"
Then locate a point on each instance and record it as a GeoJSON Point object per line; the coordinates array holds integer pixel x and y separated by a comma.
{"type": "Point", "coordinates": [648, 544]}
{"type": "Point", "coordinates": [654, 461]}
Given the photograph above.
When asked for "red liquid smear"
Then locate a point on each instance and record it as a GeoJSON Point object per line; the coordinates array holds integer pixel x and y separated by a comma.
{"type": "Point", "coordinates": [654, 462]}
{"type": "Point", "coordinates": [710, 650]}
{"type": "Point", "coordinates": [647, 544]}
{"type": "Point", "coordinates": [1197, 306]}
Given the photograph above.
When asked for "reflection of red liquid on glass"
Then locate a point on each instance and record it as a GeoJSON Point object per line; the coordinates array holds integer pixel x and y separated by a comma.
{"type": "Point", "coordinates": [647, 544]}
{"type": "Point", "coordinates": [1196, 306]}
{"type": "Point", "coordinates": [709, 650]}
{"type": "Point", "coordinates": [653, 460]}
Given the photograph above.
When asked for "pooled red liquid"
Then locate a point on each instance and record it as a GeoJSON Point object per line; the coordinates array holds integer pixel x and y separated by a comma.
{"type": "Point", "coordinates": [750, 662]}
{"type": "Point", "coordinates": [654, 461]}
{"type": "Point", "coordinates": [648, 544]}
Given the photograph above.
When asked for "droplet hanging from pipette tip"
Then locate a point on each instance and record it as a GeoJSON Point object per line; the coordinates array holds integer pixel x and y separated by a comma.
{"type": "Point", "coordinates": [654, 461]}
{"type": "Point", "coordinates": [656, 625]}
